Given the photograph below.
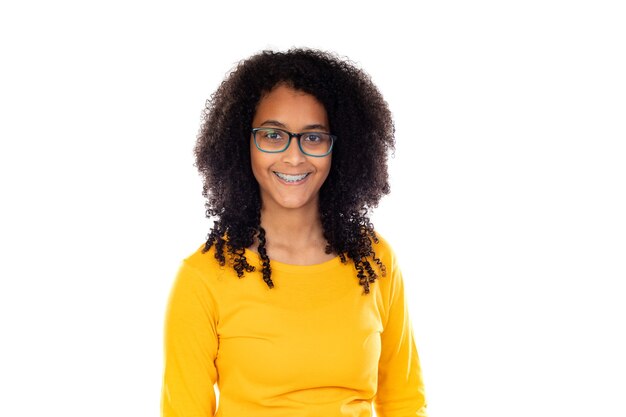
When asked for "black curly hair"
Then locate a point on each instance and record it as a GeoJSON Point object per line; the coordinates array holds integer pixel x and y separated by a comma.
{"type": "Point", "coordinates": [358, 116]}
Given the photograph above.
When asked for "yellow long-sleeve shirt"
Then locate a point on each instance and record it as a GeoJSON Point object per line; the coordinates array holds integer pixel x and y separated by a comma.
{"type": "Point", "coordinates": [314, 345]}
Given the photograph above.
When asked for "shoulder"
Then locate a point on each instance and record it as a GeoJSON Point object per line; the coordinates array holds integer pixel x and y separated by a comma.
{"type": "Point", "coordinates": [197, 257]}
{"type": "Point", "coordinates": [193, 294]}
{"type": "Point", "coordinates": [392, 282]}
{"type": "Point", "coordinates": [202, 264]}
{"type": "Point", "coordinates": [384, 251]}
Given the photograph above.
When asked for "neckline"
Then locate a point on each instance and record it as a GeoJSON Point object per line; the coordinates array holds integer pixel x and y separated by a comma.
{"type": "Point", "coordinates": [300, 269]}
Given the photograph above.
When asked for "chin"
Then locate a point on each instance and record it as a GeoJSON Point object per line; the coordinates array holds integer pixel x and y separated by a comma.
{"type": "Point", "coordinates": [295, 204]}
{"type": "Point", "coordinates": [289, 202]}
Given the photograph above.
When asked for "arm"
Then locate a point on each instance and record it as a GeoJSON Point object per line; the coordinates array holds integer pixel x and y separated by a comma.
{"type": "Point", "coordinates": [400, 386]}
{"type": "Point", "coordinates": [190, 348]}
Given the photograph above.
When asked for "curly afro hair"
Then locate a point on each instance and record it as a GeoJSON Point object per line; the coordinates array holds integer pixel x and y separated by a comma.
{"type": "Point", "coordinates": [358, 116]}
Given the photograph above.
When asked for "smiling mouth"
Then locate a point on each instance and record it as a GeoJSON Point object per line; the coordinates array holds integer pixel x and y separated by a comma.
{"type": "Point", "coordinates": [291, 178]}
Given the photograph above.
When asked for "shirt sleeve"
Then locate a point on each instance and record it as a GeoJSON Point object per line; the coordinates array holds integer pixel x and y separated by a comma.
{"type": "Point", "coordinates": [400, 386]}
{"type": "Point", "coordinates": [190, 348]}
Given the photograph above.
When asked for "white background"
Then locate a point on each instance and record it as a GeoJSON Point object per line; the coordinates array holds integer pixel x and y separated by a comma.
{"type": "Point", "coordinates": [507, 205]}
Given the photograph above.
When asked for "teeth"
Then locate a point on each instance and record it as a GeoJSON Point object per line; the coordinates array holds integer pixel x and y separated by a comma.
{"type": "Point", "coordinates": [291, 178]}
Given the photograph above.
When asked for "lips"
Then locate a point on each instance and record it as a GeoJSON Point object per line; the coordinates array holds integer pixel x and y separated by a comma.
{"type": "Point", "coordinates": [291, 178]}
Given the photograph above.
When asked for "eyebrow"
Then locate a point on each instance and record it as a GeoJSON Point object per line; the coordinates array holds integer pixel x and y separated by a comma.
{"type": "Point", "coordinates": [307, 127]}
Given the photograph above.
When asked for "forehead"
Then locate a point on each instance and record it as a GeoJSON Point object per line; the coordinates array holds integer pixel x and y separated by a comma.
{"type": "Point", "coordinates": [292, 108]}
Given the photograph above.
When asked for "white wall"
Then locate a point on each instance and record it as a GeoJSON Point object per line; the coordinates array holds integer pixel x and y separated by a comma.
{"type": "Point", "coordinates": [506, 211]}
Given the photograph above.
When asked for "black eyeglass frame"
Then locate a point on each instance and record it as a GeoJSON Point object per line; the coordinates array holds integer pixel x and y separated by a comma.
{"type": "Point", "coordinates": [333, 138]}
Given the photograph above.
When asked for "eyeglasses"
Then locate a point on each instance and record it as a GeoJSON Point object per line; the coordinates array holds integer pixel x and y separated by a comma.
{"type": "Point", "coordinates": [272, 140]}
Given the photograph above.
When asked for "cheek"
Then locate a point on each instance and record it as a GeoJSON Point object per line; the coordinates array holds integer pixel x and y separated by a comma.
{"type": "Point", "coordinates": [257, 171]}
{"type": "Point", "coordinates": [260, 163]}
{"type": "Point", "coordinates": [256, 161]}
{"type": "Point", "coordinates": [325, 168]}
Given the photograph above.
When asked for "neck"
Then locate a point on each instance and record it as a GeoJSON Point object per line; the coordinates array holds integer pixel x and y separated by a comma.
{"type": "Point", "coordinates": [292, 227]}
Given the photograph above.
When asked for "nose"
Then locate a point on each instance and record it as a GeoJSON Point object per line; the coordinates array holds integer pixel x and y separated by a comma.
{"type": "Point", "coordinates": [292, 155]}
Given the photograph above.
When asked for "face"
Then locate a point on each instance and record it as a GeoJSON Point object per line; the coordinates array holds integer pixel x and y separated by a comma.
{"type": "Point", "coordinates": [278, 174]}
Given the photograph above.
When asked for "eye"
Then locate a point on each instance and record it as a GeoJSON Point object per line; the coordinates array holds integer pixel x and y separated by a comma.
{"type": "Point", "coordinates": [314, 138]}
{"type": "Point", "coordinates": [272, 135]}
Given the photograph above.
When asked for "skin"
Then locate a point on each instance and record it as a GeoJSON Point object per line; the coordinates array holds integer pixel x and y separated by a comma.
{"type": "Point", "coordinates": [289, 212]}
